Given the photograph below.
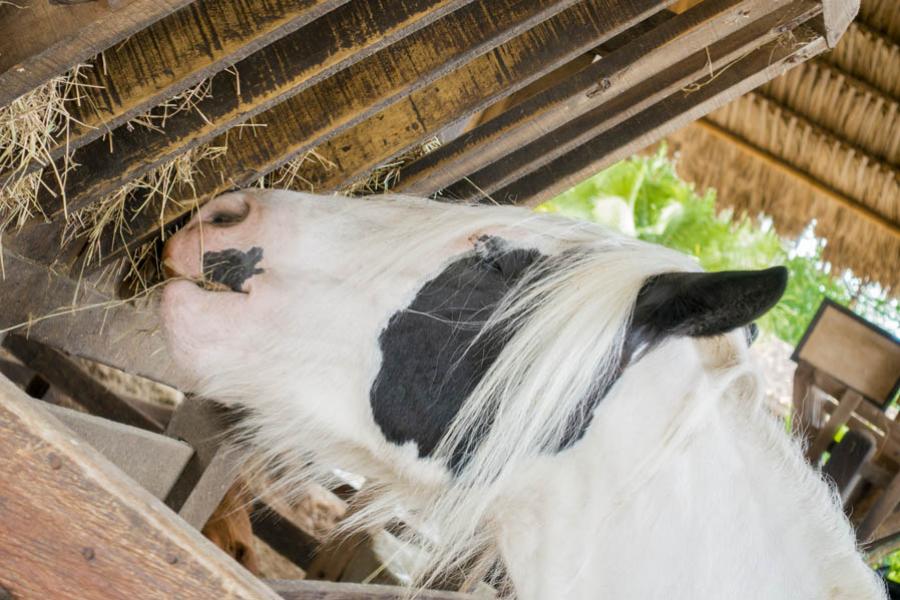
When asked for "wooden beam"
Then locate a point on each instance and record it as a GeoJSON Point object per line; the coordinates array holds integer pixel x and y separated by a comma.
{"type": "Point", "coordinates": [40, 39]}
{"type": "Point", "coordinates": [61, 371]}
{"type": "Point", "coordinates": [849, 401]}
{"type": "Point", "coordinates": [340, 38]}
{"type": "Point", "coordinates": [653, 123]}
{"type": "Point", "coordinates": [83, 320]}
{"type": "Point", "coordinates": [73, 521]}
{"type": "Point", "coordinates": [838, 16]}
{"type": "Point", "coordinates": [326, 590]}
{"type": "Point", "coordinates": [413, 118]}
{"type": "Point", "coordinates": [710, 55]}
{"type": "Point", "coordinates": [171, 55]}
{"type": "Point", "coordinates": [154, 461]}
{"type": "Point", "coordinates": [614, 75]}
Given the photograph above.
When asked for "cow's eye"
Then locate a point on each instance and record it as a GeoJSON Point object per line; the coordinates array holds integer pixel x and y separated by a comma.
{"type": "Point", "coordinates": [224, 218]}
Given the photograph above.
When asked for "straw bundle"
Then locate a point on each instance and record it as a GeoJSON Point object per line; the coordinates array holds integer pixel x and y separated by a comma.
{"type": "Point", "coordinates": [809, 148]}
{"type": "Point", "coordinates": [843, 105]}
{"type": "Point", "coordinates": [883, 16]}
{"type": "Point", "coordinates": [870, 56]}
{"type": "Point", "coordinates": [753, 182]}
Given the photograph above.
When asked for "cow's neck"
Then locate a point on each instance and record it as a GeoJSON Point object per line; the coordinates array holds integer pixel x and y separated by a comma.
{"type": "Point", "coordinates": [724, 513]}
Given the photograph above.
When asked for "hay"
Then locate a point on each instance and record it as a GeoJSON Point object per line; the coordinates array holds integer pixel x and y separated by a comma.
{"type": "Point", "coordinates": [797, 142]}
{"type": "Point", "coordinates": [748, 182]}
{"type": "Point", "coordinates": [31, 126]}
{"type": "Point", "coordinates": [867, 55]}
{"type": "Point", "coordinates": [290, 175]}
{"type": "Point", "coordinates": [384, 177]}
{"type": "Point", "coordinates": [844, 106]}
{"type": "Point", "coordinates": [882, 16]}
{"type": "Point", "coordinates": [186, 101]}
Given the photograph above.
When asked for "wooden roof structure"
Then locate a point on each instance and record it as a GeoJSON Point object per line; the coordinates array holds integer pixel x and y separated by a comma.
{"type": "Point", "coordinates": [820, 142]}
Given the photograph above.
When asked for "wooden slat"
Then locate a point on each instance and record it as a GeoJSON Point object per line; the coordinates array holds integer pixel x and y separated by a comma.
{"type": "Point", "coordinates": [74, 526]}
{"type": "Point", "coordinates": [326, 590]}
{"type": "Point", "coordinates": [653, 123]}
{"type": "Point", "coordinates": [171, 55]}
{"type": "Point", "coordinates": [838, 16]}
{"type": "Point", "coordinates": [615, 74]}
{"type": "Point", "coordinates": [67, 375]}
{"type": "Point", "coordinates": [845, 465]}
{"type": "Point", "coordinates": [154, 461]}
{"type": "Point", "coordinates": [880, 511]}
{"type": "Point", "coordinates": [88, 322]}
{"type": "Point", "coordinates": [849, 401]}
{"type": "Point", "coordinates": [40, 39]}
{"type": "Point", "coordinates": [416, 116]}
{"type": "Point", "coordinates": [340, 38]}
{"type": "Point", "coordinates": [655, 85]}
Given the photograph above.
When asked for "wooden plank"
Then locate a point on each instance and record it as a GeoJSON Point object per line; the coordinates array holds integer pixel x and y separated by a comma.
{"type": "Point", "coordinates": [849, 401]}
{"type": "Point", "coordinates": [340, 38]}
{"type": "Point", "coordinates": [72, 521]}
{"type": "Point", "coordinates": [82, 320]}
{"type": "Point", "coordinates": [880, 511]}
{"type": "Point", "coordinates": [40, 39]}
{"type": "Point", "coordinates": [618, 72]}
{"type": "Point", "coordinates": [655, 122]}
{"type": "Point", "coordinates": [67, 375]}
{"type": "Point", "coordinates": [414, 117]}
{"type": "Point", "coordinates": [282, 535]}
{"type": "Point", "coordinates": [654, 86]}
{"type": "Point", "coordinates": [844, 466]}
{"type": "Point", "coordinates": [838, 16]}
{"type": "Point", "coordinates": [154, 461]}
{"type": "Point", "coordinates": [326, 590]}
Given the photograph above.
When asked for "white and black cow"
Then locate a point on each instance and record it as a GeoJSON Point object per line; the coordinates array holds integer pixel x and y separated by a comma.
{"type": "Point", "coordinates": [519, 386]}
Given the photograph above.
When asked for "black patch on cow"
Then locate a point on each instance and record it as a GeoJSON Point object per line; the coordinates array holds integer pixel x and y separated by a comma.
{"type": "Point", "coordinates": [232, 267]}
{"type": "Point", "coordinates": [429, 366]}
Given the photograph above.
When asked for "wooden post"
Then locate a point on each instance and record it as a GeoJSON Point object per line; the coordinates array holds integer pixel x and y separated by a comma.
{"type": "Point", "coordinates": [72, 523]}
{"type": "Point", "coordinates": [849, 401]}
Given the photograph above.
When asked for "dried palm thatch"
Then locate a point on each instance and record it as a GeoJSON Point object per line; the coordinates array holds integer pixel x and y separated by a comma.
{"type": "Point", "coordinates": [803, 145]}
{"type": "Point", "coordinates": [883, 16]}
{"type": "Point", "coordinates": [753, 182]}
{"type": "Point", "coordinates": [843, 105]}
{"type": "Point", "coordinates": [869, 56]}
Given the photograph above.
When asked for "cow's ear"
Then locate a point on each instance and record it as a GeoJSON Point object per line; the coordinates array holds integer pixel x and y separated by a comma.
{"type": "Point", "coordinates": [705, 304]}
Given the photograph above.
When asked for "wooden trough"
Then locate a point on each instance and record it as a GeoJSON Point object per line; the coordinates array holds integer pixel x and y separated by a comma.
{"type": "Point", "coordinates": [355, 84]}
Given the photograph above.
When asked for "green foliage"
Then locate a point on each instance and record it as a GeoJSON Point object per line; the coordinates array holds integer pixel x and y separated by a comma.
{"type": "Point", "coordinates": [644, 197]}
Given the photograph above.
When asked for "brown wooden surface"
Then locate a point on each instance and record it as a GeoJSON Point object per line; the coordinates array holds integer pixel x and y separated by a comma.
{"type": "Point", "coordinates": [857, 355]}
{"type": "Point", "coordinates": [880, 511]}
{"type": "Point", "coordinates": [845, 466]}
{"type": "Point", "coordinates": [615, 77]}
{"type": "Point", "coordinates": [658, 80]}
{"type": "Point", "coordinates": [326, 590]}
{"type": "Point", "coordinates": [82, 320]}
{"type": "Point", "coordinates": [416, 116]}
{"type": "Point", "coordinates": [40, 39]}
{"type": "Point", "coordinates": [173, 54]}
{"type": "Point", "coordinates": [849, 401]}
{"type": "Point", "coordinates": [655, 122]}
{"type": "Point", "coordinates": [70, 377]}
{"type": "Point", "coordinates": [74, 527]}
{"type": "Point", "coordinates": [342, 37]}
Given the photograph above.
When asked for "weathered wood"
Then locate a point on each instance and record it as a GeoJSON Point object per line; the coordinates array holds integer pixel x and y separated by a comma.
{"type": "Point", "coordinates": [849, 401]}
{"type": "Point", "coordinates": [654, 84]}
{"type": "Point", "coordinates": [657, 121]}
{"type": "Point", "coordinates": [74, 526]}
{"type": "Point", "coordinates": [844, 467]}
{"type": "Point", "coordinates": [40, 39]}
{"type": "Point", "coordinates": [326, 590]}
{"type": "Point", "coordinates": [67, 375]}
{"type": "Point", "coordinates": [340, 38]}
{"type": "Point", "coordinates": [82, 320]}
{"type": "Point", "coordinates": [880, 511]}
{"type": "Point", "coordinates": [211, 470]}
{"type": "Point", "coordinates": [154, 461]}
{"type": "Point", "coordinates": [625, 67]}
{"type": "Point", "coordinates": [413, 118]}
{"type": "Point", "coordinates": [282, 535]}
{"type": "Point", "coordinates": [838, 16]}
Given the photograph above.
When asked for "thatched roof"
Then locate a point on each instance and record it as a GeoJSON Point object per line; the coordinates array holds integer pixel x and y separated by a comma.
{"type": "Point", "coordinates": [821, 142]}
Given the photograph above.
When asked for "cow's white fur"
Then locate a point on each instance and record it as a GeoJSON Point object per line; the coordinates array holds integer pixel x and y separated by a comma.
{"type": "Point", "coordinates": [682, 487]}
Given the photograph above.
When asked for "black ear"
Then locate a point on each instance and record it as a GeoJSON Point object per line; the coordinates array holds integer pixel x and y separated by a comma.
{"type": "Point", "coordinates": [703, 304]}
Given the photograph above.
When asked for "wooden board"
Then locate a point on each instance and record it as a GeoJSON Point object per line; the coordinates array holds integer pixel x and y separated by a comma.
{"type": "Point", "coordinates": [40, 39]}
{"type": "Point", "coordinates": [657, 121]}
{"type": "Point", "coordinates": [414, 117]}
{"type": "Point", "coordinates": [616, 79]}
{"type": "Point", "coordinates": [326, 590]}
{"type": "Point", "coordinates": [73, 526]}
